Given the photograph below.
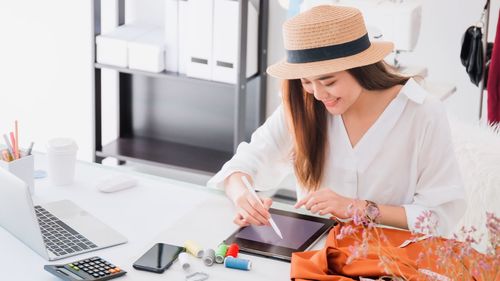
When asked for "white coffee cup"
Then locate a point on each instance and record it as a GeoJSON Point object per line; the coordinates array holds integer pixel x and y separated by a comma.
{"type": "Point", "coordinates": [61, 154]}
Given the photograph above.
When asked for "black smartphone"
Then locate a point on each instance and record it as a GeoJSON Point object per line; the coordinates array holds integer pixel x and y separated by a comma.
{"type": "Point", "coordinates": [158, 258]}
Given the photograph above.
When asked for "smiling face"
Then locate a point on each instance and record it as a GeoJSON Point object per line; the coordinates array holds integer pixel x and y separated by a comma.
{"type": "Point", "coordinates": [338, 90]}
{"type": "Point", "coordinates": [307, 100]}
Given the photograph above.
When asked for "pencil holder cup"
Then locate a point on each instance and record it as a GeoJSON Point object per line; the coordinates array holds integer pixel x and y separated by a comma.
{"type": "Point", "coordinates": [23, 168]}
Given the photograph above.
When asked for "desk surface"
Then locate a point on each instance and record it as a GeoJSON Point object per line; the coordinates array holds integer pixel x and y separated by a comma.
{"type": "Point", "coordinates": [156, 210]}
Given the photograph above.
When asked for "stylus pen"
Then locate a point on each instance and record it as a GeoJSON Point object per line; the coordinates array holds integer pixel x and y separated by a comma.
{"type": "Point", "coordinates": [252, 191]}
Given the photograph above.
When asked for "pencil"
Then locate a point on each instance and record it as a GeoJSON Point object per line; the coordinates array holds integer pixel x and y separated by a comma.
{"type": "Point", "coordinates": [17, 139]}
{"type": "Point", "coordinates": [13, 140]}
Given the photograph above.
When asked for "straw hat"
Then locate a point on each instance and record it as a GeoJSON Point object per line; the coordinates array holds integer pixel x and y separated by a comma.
{"type": "Point", "coordinates": [326, 39]}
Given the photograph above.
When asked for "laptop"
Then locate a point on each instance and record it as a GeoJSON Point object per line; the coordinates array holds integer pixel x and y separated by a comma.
{"type": "Point", "coordinates": [55, 230]}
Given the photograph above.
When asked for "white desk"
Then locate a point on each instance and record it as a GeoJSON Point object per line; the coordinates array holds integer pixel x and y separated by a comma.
{"type": "Point", "coordinates": [157, 210]}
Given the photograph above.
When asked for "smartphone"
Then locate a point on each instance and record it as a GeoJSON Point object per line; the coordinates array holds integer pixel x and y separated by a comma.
{"type": "Point", "coordinates": [158, 258]}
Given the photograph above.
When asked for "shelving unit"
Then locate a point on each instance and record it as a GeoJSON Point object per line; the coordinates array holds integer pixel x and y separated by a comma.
{"type": "Point", "coordinates": [169, 119]}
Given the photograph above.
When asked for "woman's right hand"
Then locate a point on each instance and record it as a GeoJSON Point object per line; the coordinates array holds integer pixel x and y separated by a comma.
{"type": "Point", "coordinates": [248, 209]}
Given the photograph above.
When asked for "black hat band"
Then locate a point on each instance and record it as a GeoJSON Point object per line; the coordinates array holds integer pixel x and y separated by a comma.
{"type": "Point", "coordinates": [329, 52]}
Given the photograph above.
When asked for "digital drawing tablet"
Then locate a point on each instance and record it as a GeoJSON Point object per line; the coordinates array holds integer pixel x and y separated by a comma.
{"type": "Point", "coordinates": [299, 231]}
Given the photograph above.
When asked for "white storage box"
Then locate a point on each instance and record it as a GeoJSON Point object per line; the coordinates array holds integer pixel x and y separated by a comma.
{"type": "Point", "coordinates": [172, 35]}
{"type": "Point", "coordinates": [147, 52]}
{"type": "Point", "coordinates": [183, 36]}
{"type": "Point", "coordinates": [199, 38]}
{"type": "Point", "coordinates": [176, 35]}
{"type": "Point", "coordinates": [226, 40]}
{"type": "Point", "coordinates": [111, 47]}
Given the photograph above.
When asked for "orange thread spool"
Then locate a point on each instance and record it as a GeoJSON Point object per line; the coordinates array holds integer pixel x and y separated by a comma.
{"type": "Point", "coordinates": [233, 250]}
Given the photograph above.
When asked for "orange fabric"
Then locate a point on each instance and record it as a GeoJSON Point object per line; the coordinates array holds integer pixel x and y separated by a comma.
{"type": "Point", "coordinates": [329, 263]}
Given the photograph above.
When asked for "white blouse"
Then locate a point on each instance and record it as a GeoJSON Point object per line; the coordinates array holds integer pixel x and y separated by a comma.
{"type": "Point", "coordinates": [406, 158]}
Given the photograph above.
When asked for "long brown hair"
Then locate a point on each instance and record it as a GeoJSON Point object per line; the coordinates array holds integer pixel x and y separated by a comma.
{"type": "Point", "coordinates": [307, 119]}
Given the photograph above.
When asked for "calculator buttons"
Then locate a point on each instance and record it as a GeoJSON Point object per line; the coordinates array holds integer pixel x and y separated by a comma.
{"type": "Point", "coordinates": [93, 269]}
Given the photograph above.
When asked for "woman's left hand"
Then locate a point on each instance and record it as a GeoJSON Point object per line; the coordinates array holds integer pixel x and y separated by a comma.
{"type": "Point", "coordinates": [325, 201]}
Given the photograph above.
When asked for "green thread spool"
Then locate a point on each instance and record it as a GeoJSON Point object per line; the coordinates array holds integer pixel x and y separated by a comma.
{"type": "Point", "coordinates": [220, 254]}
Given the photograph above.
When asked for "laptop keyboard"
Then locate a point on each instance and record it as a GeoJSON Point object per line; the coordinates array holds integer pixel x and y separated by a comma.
{"type": "Point", "coordinates": [59, 238]}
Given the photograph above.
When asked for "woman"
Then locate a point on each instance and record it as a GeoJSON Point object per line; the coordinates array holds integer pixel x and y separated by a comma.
{"type": "Point", "coordinates": [355, 133]}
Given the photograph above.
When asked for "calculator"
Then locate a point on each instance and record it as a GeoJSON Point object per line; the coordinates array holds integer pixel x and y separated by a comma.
{"type": "Point", "coordinates": [92, 269]}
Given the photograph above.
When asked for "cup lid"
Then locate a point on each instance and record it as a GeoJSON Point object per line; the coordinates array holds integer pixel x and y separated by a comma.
{"type": "Point", "coordinates": [62, 145]}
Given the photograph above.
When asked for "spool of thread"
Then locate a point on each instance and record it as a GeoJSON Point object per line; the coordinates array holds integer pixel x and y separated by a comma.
{"type": "Point", "coordinates": [184, 261]}
{"type": "Point", "coordinates": [193, 248]}
{"type": "Point", "coordinates": [233, 250]}
{"type": "Point", "coordinates": [236, 263]}
{"type": "Point", "coordinates": [221, 253]}
{"type": "Point", "coordinates": [209, 257]}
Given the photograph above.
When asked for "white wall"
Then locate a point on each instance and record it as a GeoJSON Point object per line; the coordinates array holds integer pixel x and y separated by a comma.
{"type": "Point", "coordinates": [45, 77]}
{"type": "Point", "coordinates": [45, 59]}
{"type": "Point", "coordinates": [46, 69]}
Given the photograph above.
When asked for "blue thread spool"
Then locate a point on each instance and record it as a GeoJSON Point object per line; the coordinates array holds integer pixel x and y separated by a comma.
{"type": "Point", "coordinates": [237, 263]}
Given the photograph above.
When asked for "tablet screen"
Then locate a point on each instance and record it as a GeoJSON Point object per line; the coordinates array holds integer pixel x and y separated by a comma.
{"type": "Point", "coordinates": [295, 232]}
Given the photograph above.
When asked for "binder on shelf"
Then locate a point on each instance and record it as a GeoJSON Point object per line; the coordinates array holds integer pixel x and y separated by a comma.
{"type": "Point", "coordinates": [199, 38]}
{"type": "Point", "coordinates": [112, 47]}
{"type": "Point", "coordinates": [147, 52]}
{"type": "Point", "coordinates": [225, 41]}
{"type": "Point", "coordinates": [183, 36]}
{"type": "Point", "coordinates": [172, 35]}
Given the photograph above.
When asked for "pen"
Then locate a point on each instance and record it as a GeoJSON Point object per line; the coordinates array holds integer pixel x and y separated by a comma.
{"type": "Point", "coordinates": [30, 148]}
{"type": "Point", "coordinates": [252, 191]}
{"type": "Point", "coordinates": [9, 147]}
